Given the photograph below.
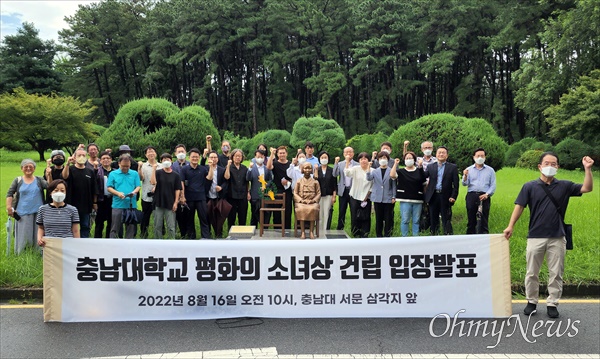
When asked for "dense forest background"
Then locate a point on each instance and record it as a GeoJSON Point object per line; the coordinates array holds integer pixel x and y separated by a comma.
{"type": "Point", "coordinates": [371, 65]}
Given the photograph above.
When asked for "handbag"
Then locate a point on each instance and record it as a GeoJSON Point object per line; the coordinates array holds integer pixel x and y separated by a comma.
{"type": "Point", "coordinates": [363, 213]}
{"type": "Point", "coordinates": [568, 227]}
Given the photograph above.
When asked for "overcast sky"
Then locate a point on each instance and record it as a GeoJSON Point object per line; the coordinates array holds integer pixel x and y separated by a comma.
{"type": "Point", "coordinates": [47, 16]}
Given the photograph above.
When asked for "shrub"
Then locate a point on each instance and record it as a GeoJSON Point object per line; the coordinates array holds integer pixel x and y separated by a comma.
{"type": "Point", "coordinates": [459, 134]}
{"type": "Point", "coordinates": [516, 150]}
{"type": "Point", "coordinates": [571, 151]}
{"type": "Point", "coordinates": [326, 135]}
{"type": "Point", "coordinates": [158, 122]}
{"type": "Point", "coordinates": [366, 142]}
{"type": "Point", "coordinates": [529, 159]}
{"type": "Point", "coordinates": [541, 146]}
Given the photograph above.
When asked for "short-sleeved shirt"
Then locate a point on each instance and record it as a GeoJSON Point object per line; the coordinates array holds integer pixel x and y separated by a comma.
{"type": "Point", "coordinates": [195, 182]}
{"type": "Point", "coordinates": [545, 221]}
{"type": "Point", "coordinates": [81, 188]}
{"type": "Point", "coordinates": [57, 221]}
{"type": "Point", "coordinates": [125, 183]}
{"type": "Point", "coordinates": [166, 185]}
{"type": "Point", "coordinates": [146, 185]}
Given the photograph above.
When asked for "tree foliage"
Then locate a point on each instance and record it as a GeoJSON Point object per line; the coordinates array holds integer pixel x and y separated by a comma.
{"type": "Point", "coordinates": [570, 152]}
{"type": "Point", "coordinates": [44, 121]}
{"type": "Point", "coordinates": [27, 62]}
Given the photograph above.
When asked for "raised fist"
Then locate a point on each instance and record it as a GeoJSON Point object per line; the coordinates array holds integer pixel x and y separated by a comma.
{"type": "Point", "coordinates": [229, 162]}
{"type": "Point", "coordinates": [208, 138]}
{"type": "Point", "coordinates": [406, 143]}
{"type": "Point", "coordinates": [337, 159]}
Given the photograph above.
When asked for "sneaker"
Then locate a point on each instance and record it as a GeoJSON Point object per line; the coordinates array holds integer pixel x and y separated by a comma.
{"type": "Point", "coordinates": [552, 312]}
{"type": "Point", "coordinates": [530, 309]}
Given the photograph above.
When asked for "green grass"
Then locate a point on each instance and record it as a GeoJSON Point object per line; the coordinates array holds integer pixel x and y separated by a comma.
{"type": "Point", "coordinates": [582, 264]}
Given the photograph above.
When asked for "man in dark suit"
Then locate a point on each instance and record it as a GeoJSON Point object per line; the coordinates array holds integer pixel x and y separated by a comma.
{"type": "Point", "coordinates": [442, 191]}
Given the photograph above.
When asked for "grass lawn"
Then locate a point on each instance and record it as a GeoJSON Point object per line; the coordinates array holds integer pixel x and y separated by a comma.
{"type": "Point", "coordinates": [582, 265]}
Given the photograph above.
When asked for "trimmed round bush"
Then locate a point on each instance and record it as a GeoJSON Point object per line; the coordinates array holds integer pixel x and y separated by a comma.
{"type": "Point", "coordinates": [541, 146]}
{"type": "Point", "coordinates": [459, 134]}
{"type": "Point", "coordinates": [516, 150]}
{"type": "Point", "coordinates": [529, 159]}
{"type": "Point", "coordinates": [326, 135]}
{"type": "Point", "coordinates": [190, 126]}
{"type": "Point", "coordinates": [366, 142]}
{"type": "Point", "coordinates": [571, 151]}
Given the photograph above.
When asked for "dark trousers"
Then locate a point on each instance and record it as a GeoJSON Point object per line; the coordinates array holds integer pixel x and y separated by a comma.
{"type": "Point", "coordinates": [239, 210]}
{"type": "Point", "coordinates": [103, 215]}
{"type": "Point", "coordinates": [425, 221]}
{"type": "Point", "coordinates": [440, 205]}
{"type": "Point", "coordinates": [384, 219]}
{"type": "Point", "coordinates": [201, 208]}
{"type": "Point", "coordinates": [255, 208]}
{"type": "Point", "coordinates": [211, 203]}
{"type": "Point", "coordinates": [344, 201]}
{"type": "Point", "coordinates": [289, 198]}
{"type": "Point", "coordinates": [472, 200]}
{"type": "Point", "coordinates": [84, 225]}
{"type": "Point", "coordinates": [147, 208]}
{"type": "Point", "coordinates": [183, 216]}
{"type": "Point", "coordinates": [360, 227]}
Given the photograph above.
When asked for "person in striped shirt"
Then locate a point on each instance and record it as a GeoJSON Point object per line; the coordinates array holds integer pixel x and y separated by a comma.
{"type": "Point", "coordinates": [57, 219]}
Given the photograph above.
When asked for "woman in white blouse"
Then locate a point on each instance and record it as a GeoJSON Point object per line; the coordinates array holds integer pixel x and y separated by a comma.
{"type": "Point", "coordinates": [360, 204]}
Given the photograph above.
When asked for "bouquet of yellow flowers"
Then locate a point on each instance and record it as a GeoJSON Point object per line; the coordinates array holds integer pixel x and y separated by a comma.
{"type": "Point", "coordinates": [267, 188]}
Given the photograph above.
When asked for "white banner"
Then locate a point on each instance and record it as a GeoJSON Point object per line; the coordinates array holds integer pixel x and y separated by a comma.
{"type": "Point", "coordinates": [124, 280]}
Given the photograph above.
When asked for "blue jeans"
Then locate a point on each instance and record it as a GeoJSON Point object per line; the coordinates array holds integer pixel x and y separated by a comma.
{"type": "Point", "coordinates": [84, 225]}
{"type": "Point", "coordinates": [410, 211]}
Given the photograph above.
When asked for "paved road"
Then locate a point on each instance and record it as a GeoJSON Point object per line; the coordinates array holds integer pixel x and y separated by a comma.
{"type": "Point", "coordinates": [23, 334]}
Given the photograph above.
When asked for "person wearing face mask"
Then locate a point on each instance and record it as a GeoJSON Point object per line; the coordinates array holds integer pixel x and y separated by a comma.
{"type": "Point", "coordinates": [409, 192]}
{"type": "Point", "coordinates": [82, 189]}
{"type": "Point", "coordinates": [224, 155]}
{"type": "Point", "coordinates": [197, 181]}
{"type": "Point", "coordinates": [146, 171]}
{"type": "Point", "coordinates": [442, 191]}
{"type": "Point", "coordinates": [124, 184]}
{"type": "Point", "coordinates": [238, 194]}
{"type": "Point", "coordinates": [183, 212]}
{"type": "Point", "coordinates": [166, 197]}
{"type": "Point", "coordinates": [480, 180]}
{"type": "Point", "coordinates": [257, 169]}
{"type": "Point", "coordinates": [283, 182]}
{"type": "Point", "coordinates": [57, 219]}
{"type": "Point", "coordinates": [23, 199]}
{"type": "Point", "coordinates": [294, 171]}
{"type": "Point", "coordinates": [546, 236]}
{"type": "Point", "coordinates": [104, 213]}
{"type": "Point", "coordinates": [344, 185]}
{"type": "Point", "coordinates": [328, 185]}
{"type": "Point", "coordinates": [383, 194]}
{"type": "Point", "coordinates": [216, 193]}
{"type": "Point", "coordinates": [54, 168]}
{"type": "Point", "coordinates": [360, 192]}
{"type": "Point", "coordinates": [385, 147]}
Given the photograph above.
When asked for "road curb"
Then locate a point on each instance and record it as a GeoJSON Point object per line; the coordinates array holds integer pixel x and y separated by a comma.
{"type": "Point", "coordinates": [584, 290]}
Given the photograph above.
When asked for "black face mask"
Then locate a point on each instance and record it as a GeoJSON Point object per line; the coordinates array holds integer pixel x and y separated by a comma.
{"type": "Point", "coordinates": [58, 161]}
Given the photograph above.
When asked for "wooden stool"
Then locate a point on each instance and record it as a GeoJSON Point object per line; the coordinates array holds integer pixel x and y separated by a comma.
{"type": "Point", "coordinates": [276, 205]}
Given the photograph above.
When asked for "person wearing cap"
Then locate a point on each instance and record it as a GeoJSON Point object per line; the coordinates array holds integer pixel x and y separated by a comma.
{"type": "Point", "coordinates": [124, 149]}
{"type": "Point", "coordinates": [23, 199]}
{"type": "Point", "coordinates": [146, 171]}
{"type": "Point", "coordinates": [81, 189]}
{"type": "Point", "coordinates": [54, 168]}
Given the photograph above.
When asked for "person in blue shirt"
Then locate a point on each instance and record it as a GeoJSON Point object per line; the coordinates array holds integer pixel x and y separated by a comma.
{"type": "Point", "coordinates": [124, 184]}
{"type": "Point", "coordinates": [480, 180]}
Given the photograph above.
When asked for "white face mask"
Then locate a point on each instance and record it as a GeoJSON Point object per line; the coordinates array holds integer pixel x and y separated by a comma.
{"type": "Point", "coordinates": [181, 156]}
{"type": "Point", "coordinates": [260, 160]}
{"type": "Point", "coordinates": [383, 162]}
{"type": "Point", "coordinates": [549, 171]}
{"type": "Point", "coordinates": [480, 160]}
{"type": "Point", "coordinates": [324, 161]}
{"type": "Point", "coordinates": [166, 164]}
{"type": "Point", "coordinates": [301, 160]}
{"type": "Point", "coordinates": [58, 197]}
{"type": "Point", "coordinates": [386, 151]}
{"type": "Point", "coordinates": [427, 153]}
{"type": "Point", "coordinates": [409, 163]}
{"type": "Point", "coordinates": [81, 160]}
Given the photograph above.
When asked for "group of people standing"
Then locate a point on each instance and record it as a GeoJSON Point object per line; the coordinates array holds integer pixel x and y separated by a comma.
{"type": "Point", "coordinates": [100, 187]}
